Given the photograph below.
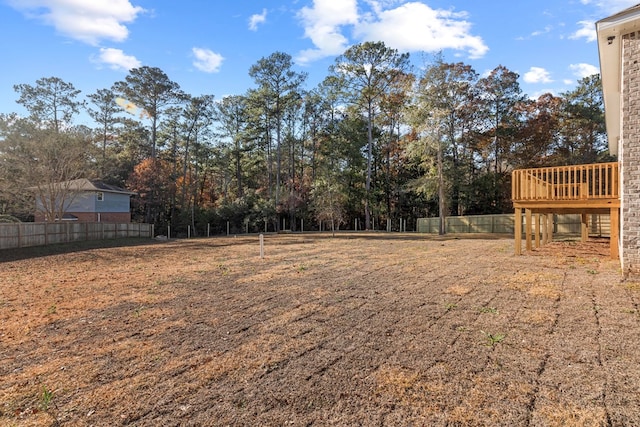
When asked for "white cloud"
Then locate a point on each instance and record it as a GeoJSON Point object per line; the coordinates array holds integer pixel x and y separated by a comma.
{"type": "Point", "coordinates": [207, 60]}
{"type": "Point", "coordinates": [546, 30]}
{"type": "Point", "coordinates": [411, 26]}
{"type": "Point", "coordinates": [87, 21]}
{"type": "Point", "coordinates": [256, 19]}
{"type": "Point", "coordinates": [583, 70]}
{"type": "Point", "coordinates": [416, 27]}
{"type": "Point", "coordinates": [322, 24]}
{"type": "Point", "coordinates": [537, 75]}
{"type": "Point", "coordinates": [116, 59]}
{"type": "Point", "coordinates": [587, 31]}
{"type": "Point", "coordinates": [610, 6]}
{"type": "Point", "coordinates": [537, 94]}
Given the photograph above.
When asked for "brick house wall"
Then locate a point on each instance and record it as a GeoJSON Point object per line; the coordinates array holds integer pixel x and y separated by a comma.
{"type": "Point", "coordinates": [629, 155]}
{"type": "Point", "coordinates": [114, 217]}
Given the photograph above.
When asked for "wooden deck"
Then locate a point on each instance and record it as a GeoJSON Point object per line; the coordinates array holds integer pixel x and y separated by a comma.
{"type": "Point", "coordinates": [583, 189]}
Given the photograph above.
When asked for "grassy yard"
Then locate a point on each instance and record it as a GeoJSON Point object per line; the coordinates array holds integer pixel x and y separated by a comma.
{"type": "Point", "coordinates": [360, 329]}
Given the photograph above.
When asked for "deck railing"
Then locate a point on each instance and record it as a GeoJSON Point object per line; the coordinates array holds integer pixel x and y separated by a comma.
{"type": "Point", "coordinates": [564, 183]}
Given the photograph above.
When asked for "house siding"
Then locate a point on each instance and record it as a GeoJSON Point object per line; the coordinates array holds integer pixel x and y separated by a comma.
{"type": "Point", "coordinates": [83, 202]}
{"type": "Point", "coordinates": [115, 207]}
{"type": "Point", "coordinates": [113, 202]}
{"type": "Point", "coordinates": [88, 202]}
{"type": "Point", "coordinates": [630, 155]}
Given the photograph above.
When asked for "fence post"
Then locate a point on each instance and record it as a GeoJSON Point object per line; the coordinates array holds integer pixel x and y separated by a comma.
{"type": "Point", "coordinates": [261, 246]}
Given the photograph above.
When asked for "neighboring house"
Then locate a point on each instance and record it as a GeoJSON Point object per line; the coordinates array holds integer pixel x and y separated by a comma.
{"type": "Point", "coordinates": [619, 50]}
{"type": "Point", "coordinates": [91, 201]}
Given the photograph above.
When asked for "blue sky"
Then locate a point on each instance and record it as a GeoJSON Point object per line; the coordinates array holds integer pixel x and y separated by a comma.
{"type": "Point", "coordinates": [208, 46]}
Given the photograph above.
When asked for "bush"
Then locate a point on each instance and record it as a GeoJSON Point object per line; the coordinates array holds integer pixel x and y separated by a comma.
{"type": "Point", "coordinates": [8, 219]}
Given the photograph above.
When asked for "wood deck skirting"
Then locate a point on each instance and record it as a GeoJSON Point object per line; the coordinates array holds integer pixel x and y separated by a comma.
{"type": "Point", "coordinates": [582, 189]}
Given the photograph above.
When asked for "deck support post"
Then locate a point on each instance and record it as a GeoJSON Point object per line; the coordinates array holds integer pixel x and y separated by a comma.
{"type": "Point", "coordinates": [517, 230]}
{"type": "Point", "coordinates": [614, 233]}
{"type": "Point", "coordinates": [528, 218]}
{"type": "Point", "coordinates": [545, 238]}
{"type": "Point", "coordinates": [550, 227]}
{"type": "Point", "coordinates": [584, 227]}
{"type": "Point", "coordinates": [537, 230]}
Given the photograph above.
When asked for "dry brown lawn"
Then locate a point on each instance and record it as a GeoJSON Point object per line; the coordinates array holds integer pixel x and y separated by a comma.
{"type": "Point", "coordinates": [360, 329]}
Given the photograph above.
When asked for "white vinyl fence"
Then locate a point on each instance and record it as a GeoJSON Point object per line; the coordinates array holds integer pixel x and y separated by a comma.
{"type": "Point", "coordinates": [24, 234]}
{"type": "Point", "coordinates": [568, 224]}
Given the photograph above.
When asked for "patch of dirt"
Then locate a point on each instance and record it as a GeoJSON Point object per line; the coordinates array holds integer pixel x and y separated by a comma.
{"type": "Point", "coordinates": [360, 329]}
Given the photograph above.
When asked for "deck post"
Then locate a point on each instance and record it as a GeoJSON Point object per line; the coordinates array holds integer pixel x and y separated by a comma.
{"type": "Point", "coordinates": [550, 227]}
{"type": "Point", "coordinates": [537, 230]}
{"type": "Point", "coordinates": [528, 219]}
{"type": "Point", "coordinates": [517, 229]}
{"type": "Point", "coordinates": [544, 229]}
{"type": "Point", "coordinates": [615, 233]}
{"type": "Point", "coordinates": [584, 227]}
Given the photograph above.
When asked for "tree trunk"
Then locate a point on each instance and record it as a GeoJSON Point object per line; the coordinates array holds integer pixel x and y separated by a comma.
{"type": "Point", "coordinates": [441, 193]}
{"type": "Point", "coordinates": [239, 191]}
{"type": "Point", "coordinates": [367, 211]}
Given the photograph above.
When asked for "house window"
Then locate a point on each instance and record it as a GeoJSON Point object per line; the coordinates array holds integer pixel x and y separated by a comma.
{"type": "Point", "coordinates": [100, 196]}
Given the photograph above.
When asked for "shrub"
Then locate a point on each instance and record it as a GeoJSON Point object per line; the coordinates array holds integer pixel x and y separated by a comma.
{"type": "Point", "coordinates": [8, 219]}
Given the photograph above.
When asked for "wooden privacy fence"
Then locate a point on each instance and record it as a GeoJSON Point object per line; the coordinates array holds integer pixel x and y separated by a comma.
{"type": "Point", "coordinates": [566, 224]}
{"type": "Point", "coordinates": [24, 234]}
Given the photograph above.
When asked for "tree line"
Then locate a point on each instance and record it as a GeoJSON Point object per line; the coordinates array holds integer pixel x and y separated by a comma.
{"type": "Point", "coordinates": [374, 142]}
